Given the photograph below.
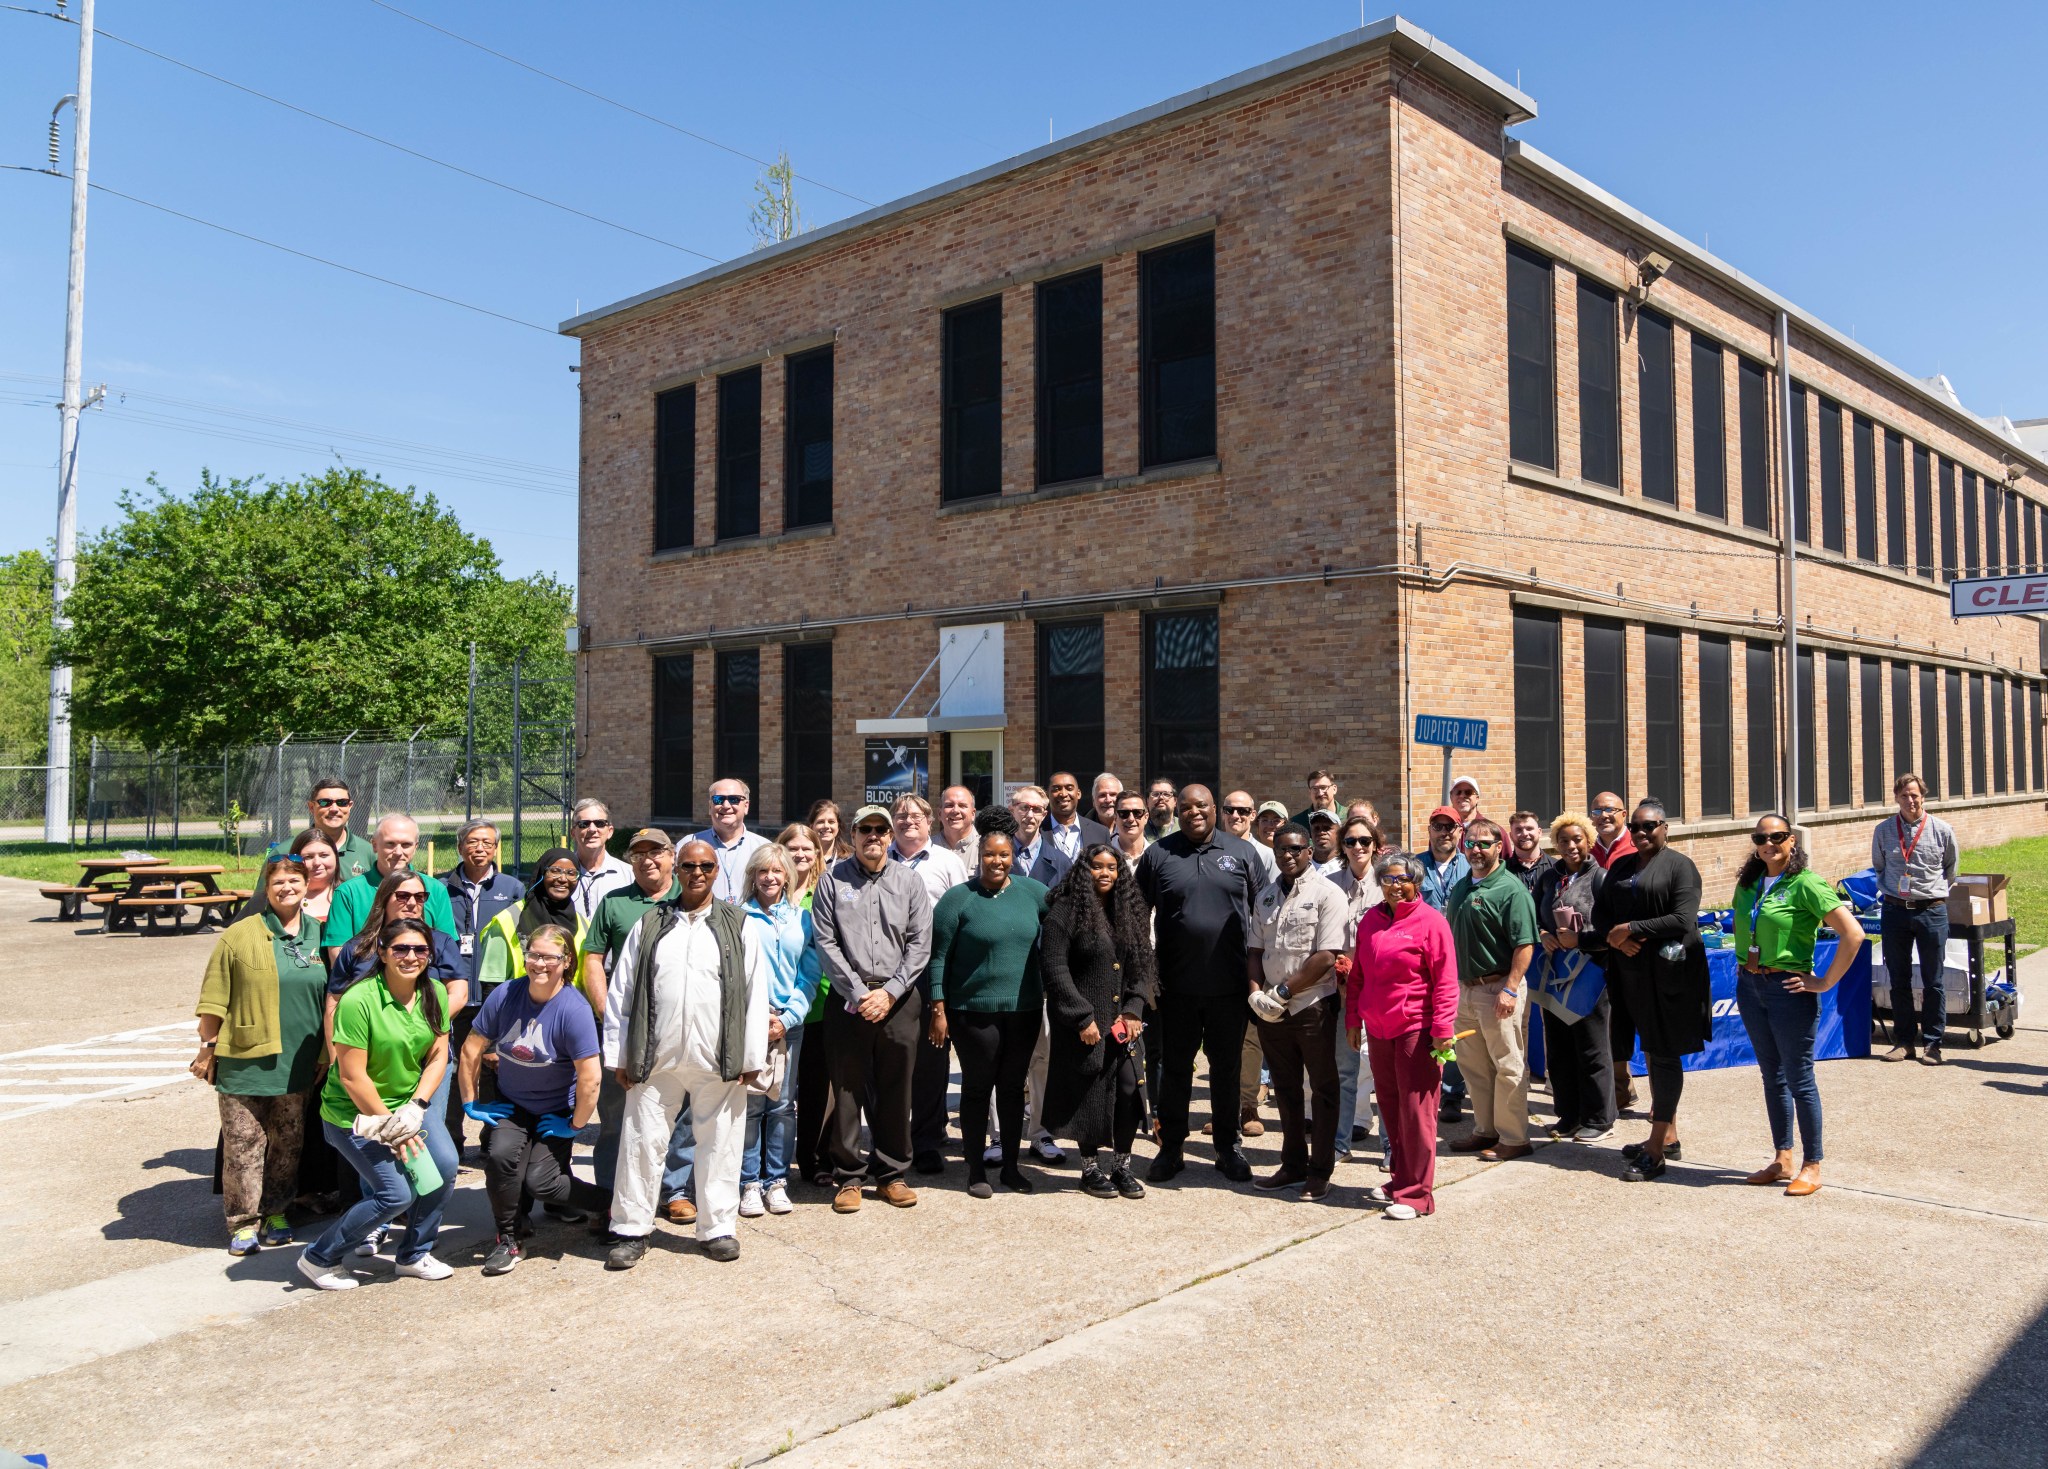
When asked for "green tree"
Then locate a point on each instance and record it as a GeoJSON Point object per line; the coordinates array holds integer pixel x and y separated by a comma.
{"type": "Point", "coordinates": [328, 603]}
{"type": "Point", "coordinates": [775, 216]}
{"type": "Point", "coordinates": [25, 582]}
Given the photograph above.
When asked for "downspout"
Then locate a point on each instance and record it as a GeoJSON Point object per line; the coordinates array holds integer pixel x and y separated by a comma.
{"type": "Point", "coordinates": [1787, 524]}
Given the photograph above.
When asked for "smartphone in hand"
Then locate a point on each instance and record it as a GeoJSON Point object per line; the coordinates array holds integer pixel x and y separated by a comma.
{"type": "Point", "coordinates": [1120, 1031]}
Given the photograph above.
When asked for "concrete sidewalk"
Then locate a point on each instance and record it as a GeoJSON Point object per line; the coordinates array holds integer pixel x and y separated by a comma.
{"type": "Point", "coordinates": [1547, 1312]}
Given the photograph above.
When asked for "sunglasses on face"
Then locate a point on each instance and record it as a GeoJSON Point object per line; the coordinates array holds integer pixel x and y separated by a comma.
{"type": "Point", "coordinates": [405, 897]}
{"type": "Point", "coordinates": [1775, 838]}
{"type": "Point", "coordinates": [1292, 849]}
{"type": "Point", "coordinates": [328, 803]}
{"type": "Point", "coordinates": [1481, 844]}
{"type": "Point", "coordinates": [1443, 826]}
{"type": "Point", "coordinates": [872, 831]}
{"type": "Point", "coordinates": [407, 951]}
{"type": "Point", "coordinates": [727, 800]}
{"type": "Point", "coordinates": [1358, 841]}
{"type": "Point", "coordinates": [1643, 828]}
{"type": "Point", "coordinates": [1137, 815]}
{"type": "Point", "coordinates": [696, 867]}
{"type": "Point", "coordinates": [1237, 810]}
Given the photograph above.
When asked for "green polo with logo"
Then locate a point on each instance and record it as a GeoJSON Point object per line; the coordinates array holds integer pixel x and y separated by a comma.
{"type": "Point", "coordinates": [350, 908]}
{"type": "Point", "coordinates": [1490, 917]}
{"type": "Point", "coordinates": [355, 856]}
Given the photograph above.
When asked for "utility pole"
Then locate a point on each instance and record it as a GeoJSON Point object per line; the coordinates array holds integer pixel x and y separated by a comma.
{"type": "Point", "coordinates": [57, 791]}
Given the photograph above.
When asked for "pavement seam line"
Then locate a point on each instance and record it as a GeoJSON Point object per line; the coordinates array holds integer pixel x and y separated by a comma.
{"type": "Point", "coordinates": [860, 1310]}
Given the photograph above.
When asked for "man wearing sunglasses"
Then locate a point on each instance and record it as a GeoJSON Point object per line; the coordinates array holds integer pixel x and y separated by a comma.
{"type": "Point", "coordinates": [598, 872]}
{"type": "Point", "coordinates": [1443, 868]}
{"type": "Point", "coordinates": [1236, 815]}
{"type": "Point", "coordinates": [1493, 924]}
{"type": "Point", "coordinates": [329, 806]}
{"type": "Point", "coordinates": [397, 839]}
{"type": "Point", "coordinates": [729, 838]}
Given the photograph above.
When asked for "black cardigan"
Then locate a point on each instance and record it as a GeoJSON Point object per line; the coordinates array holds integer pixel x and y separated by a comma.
{"type": "Point", "coordinates": [1658, 897]}
{"type": "Point", "coordinates": [1087, 978]}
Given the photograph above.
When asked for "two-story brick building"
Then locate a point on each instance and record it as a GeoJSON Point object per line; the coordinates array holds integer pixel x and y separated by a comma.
{"type": "Point", "coordinates": [1222, 440]}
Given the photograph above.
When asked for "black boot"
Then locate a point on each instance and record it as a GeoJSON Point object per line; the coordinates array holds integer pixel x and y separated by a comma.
{"type": "Point", "coordinates": [1123, 1180]}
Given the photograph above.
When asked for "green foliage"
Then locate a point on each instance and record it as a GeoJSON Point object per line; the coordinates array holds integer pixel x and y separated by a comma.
{"type": "Point", "coordinates": [25, 582]}
{"type": "Point", "coordinates": [324, 604]}
{"type": "Point", "coordinates": [775, 216]}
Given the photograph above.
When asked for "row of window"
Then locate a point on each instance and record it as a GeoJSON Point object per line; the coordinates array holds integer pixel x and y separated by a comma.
{"type": "Point", "coordinates": [2001, 711]}
{"type": "Point", "coordinates": [1881, 499]}
{"type": "Point", "coordinates": [736, 727]}
{"type": "Point", "coordinates": [1176, 410]}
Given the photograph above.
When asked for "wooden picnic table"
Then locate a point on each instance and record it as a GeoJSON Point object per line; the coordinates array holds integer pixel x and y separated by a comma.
{"type": "Point", "coordinates": [161, 890]}
{"type": "Point", "coordinates": [98, 876]}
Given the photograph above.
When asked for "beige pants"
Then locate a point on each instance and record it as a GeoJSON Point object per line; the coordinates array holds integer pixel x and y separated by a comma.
{"type": "Point", "coordinates": [1495, 1062]}
{"type": "Point", "coordinates": [1250, 1061]}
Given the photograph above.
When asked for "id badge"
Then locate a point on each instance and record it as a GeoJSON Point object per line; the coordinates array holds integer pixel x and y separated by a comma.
{"type": "Point", "coordinates": [468, 945]}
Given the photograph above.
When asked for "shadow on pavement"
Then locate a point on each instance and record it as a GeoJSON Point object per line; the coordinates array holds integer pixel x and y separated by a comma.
{"type": "Point", "coordinates": [2002, 1416]}
{"type": "Point", "coordinates": [1579, 1158]}
{"type": "Point", "coordinates": [2014, 1068]}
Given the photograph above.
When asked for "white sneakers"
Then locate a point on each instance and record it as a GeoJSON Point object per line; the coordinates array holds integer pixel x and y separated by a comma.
{"type": "Point", "coordinates": [1400, 1211]}
{"type": "Point", "coordinates": [369, 1246]}
{"type": "Point", "coordinates": [750, 1202]}
{"type": "Point", "coordinates": [426, 1267]}
{"type": "Point", "coordinates": [326, 1277]}
{"type": "Point", "coordinates": [777, 1198]}
{"type": "Point", "coordinates": [1046, 1148]}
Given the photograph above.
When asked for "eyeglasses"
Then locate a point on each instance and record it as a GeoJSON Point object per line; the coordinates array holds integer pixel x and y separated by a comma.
{"type": "Point", "coordinates": [727, 800]}
{"type": "Point", "coordinates": [1396, 880]}
{"type": "Point", "coordinates": [407, 951]}
{"type": "Point", "coordinates": [1358, 841]}
{"type": "Point", "coordinates": [1237, 810]}
{"type": "Point", "coordinates": [548, 959]}
{"type": "Point", "coordinates": [328, 803]}
{"type": "Point", "coordinates": [402, 896]}
{"type": "Point", "coordinates": [286, 857]}
{"type": "Point", "coordinates": [1607, 810]}
{"type": "Point", "coordinates": [592, 825]}
{"type": "Point", "coordinates": [560, 870]}
{"type": "Point", "coordinates": [696, 867]}
{"type": "Point", "coordinates": [1775, 838]}
{"type": "Point", "coordinates": [1643, 828]}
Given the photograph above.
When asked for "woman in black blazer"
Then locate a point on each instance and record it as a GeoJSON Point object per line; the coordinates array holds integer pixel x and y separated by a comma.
{"type": "Point", "coordinates": [1646, 932]}
{"type": "Point", "coordinates": [1095, 956]}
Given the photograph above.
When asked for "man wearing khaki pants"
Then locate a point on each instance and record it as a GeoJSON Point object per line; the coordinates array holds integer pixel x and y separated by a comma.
{"type": "Point", "coordinates": [1493, 922]}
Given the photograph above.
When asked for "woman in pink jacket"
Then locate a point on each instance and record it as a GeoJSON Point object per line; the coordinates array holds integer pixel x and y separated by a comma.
{"type": "Point", "coordinates": [1403, 994]}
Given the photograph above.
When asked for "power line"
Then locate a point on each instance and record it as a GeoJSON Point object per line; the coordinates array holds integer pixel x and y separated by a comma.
{"type": "Point", "coordinates": [468, 173]}
{"type": "Point", "coordinates": [612, 101]}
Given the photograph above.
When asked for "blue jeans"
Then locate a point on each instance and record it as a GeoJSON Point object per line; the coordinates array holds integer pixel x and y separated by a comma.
{"type": "Point", "coordinates": [681, 1166]}
{"type": "Point", "coordinates": [437, 1117]}
{"type": "Point", "coordinates": [771, 1126]}
{"type": "Point", "coordinates": [387, 1194]}
{"type": "Point", "coordinates": [1782, 1026]}
{"type": "Point", "coordinates": [1347, 1089]}
{"type": "Point", "coordinates": [1927, 932]}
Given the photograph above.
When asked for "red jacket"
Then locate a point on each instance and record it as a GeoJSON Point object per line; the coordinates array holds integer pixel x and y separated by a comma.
{"type": "Point", "coordinates": [1623, 846]}
{"type": "Point", "coordinates": [1404, 977]}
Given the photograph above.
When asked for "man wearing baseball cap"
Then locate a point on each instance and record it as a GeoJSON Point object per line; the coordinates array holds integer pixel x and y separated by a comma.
{"type": "Point", "coordinates": [1464, 797]}
{"type": "Point", "coordinates": [1271, 815]}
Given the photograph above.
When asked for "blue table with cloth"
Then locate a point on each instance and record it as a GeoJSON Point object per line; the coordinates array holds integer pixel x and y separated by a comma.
{"type": "Point", "coordinates": [1568, 984]}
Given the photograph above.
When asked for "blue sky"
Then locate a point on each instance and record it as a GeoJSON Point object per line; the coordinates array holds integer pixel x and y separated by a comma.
{"type": "Point", "coordinates": [1879, 167]}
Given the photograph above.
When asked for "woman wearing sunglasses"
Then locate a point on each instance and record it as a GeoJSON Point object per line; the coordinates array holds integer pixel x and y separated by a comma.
{"type": "Point", "coordinates": [390, 1056]}
{"type": "Point", "coordinates": [1780, 905]}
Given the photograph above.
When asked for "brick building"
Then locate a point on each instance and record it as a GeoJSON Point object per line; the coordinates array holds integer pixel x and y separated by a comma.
{"type": "Point", "coordinates": [1223, 439]}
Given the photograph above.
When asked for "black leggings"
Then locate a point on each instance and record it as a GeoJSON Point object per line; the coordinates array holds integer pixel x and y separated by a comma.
{"type": "Point", "coordinates": [995, 1052]}
{"type": "Point", "coordinates": [1125, 1110]}
{"type": "Point", "coordinates": [515, 1155]}
{"type": "Point", "coordinates": [1667, 1084]}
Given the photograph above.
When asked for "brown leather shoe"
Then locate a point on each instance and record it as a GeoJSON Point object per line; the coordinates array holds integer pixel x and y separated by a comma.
{"type": "Point", "coordinates": [1899, 1053]}
{"type": "Point", "coordinates": [897, 1194]}
{"type": "Point", "coordinates": [1808, 1182]}
{"type": "Point", "coordinates": [680, 1211]}
{"type": "Point", "coordinates": [1479, 1142]}
{"type": "Point", "coordinates": [1315, 1190]}
{"type": "Point", "coordinates": [847, 1200]}
{"type": "Point", "coordinates": [1505, 1152]}
{"type": "Point", "coordinates": [1208, 1130]}
{"type": "Point", "coordinates": [1248, 1124]}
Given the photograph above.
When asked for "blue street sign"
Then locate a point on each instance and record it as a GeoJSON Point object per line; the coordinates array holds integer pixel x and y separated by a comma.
{"type": "Point", "coordinates": [1451, 733]}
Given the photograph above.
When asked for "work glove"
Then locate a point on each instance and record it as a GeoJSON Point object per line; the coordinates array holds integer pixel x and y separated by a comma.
{"type": "Point", "coordinates": [490, 1114]}
{"type": "Point", "coordinates": [1268, 1006]}
{"type": "Point", "coordinates": [555, 1124]}
{"type": "Point", "coordinates": [403, 1123]}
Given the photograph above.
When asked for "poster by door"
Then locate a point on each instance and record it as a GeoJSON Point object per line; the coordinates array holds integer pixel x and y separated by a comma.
{"type": "Point", "coordinates": [900, 767]}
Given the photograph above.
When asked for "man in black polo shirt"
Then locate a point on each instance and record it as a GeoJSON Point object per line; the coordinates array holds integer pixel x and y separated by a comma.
{"type": "Point", "coordinates": [1201, 884]}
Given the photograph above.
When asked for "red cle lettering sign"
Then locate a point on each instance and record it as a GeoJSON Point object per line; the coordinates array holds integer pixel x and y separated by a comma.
{"type": "Point", "coordinates": [1994, 596]}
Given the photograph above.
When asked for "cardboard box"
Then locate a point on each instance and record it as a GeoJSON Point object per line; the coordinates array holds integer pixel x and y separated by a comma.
{"type": "Point", "coordinates": [1978, 898]}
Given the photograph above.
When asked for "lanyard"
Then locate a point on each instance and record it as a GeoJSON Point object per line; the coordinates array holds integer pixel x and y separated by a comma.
{"type": "Point", "coordinates": [1763, 891]}
{"type": "Point", "coordinates": [1906, 850]}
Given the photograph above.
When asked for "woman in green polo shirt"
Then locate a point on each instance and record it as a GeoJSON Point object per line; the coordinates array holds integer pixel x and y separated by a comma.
{"type": "Point", "coordinates": [260, 1045]}
{"type": "Point", "coordinates": [1780, 905]}
{"type": "Point", "coordinates": [390, 1051]}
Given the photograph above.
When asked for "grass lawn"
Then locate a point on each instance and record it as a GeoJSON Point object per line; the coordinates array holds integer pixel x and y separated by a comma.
{"type": "Point", "coordinates": [2025, 864]}
{"type": "Point", "coordinates": [54, 862]}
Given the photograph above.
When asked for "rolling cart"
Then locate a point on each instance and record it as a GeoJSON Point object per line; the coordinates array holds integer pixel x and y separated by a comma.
{"type": "Point", "coordinates": [1996, 1011]}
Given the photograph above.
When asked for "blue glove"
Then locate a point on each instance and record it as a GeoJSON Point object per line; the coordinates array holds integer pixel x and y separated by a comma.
{"type": "Point", "coordinates": [490, 1114]}
{"type": "Point", "coordinates": [555, 1124]}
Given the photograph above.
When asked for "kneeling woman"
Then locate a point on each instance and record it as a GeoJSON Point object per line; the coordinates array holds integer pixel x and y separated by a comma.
{"type": "Point", "coordinates": [390, 1052]}
{"type": "Point", "coordinates": [1100, 977]}
{"type": "Point", "coordinates": [548, 1072]}
{"type": "Point", "coordinates": [1780, 905]}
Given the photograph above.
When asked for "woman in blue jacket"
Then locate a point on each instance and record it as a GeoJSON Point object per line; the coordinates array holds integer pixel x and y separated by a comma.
{"type": "Point", "coordinates": [784, 930]}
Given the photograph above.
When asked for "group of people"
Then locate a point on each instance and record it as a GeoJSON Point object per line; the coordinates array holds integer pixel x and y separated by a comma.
{"type": "Point", "coordinates": [740, 1011]}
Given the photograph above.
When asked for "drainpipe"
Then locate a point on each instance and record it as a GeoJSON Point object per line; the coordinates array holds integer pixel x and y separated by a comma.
{"type": "Point", "coordinates": [1786, 526]}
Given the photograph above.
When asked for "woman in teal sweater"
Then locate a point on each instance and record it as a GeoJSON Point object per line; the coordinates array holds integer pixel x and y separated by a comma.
{"type": "Point", "coordinates": [986, 995]}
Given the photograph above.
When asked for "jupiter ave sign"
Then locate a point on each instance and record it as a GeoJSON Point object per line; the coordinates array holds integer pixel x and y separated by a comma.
{"type": "Point", "coordinates": [1993, 596]}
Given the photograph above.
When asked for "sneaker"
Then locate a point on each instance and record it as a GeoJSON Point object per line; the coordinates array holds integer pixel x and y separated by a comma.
{"type": "Point", "coordinates": [503, 1257]}
{"type": "Point", "coordinates": [725, 1249]}
{"type": "Point", "coordinates": [626, 1253]}
{"type": "Point", "coordinates": [751, 1206]}
{"type": "Point", "coordinates": [370, 1246]}
{"type": "Point", "coordinates": [243, 1241]}
{"type": "Point", "coordinates": [1268, 1006]}
{"type": "Point", "coordinates": [1399, 1211]}
{"type": "Point", "coordinates": [276, 1232]}
{"type": "Point", "coordinates": [993, 1153]}
{"type": "Point", "coordinates": [1899, 1053]}
{"type": "Point", "coordinates": [326, 1277]}
{"type": "Point", "coordinates": [1047, 1150]}
{"type": "Point", "coordinates": [1932, 1056]}
{"type": "Point", "coordinates": [777, 1198]}
{"type": "Point", "coordinates": [426, 1267]}
{"type": "Point", "coordinates": [1378, 1196]}
{"type": "Point", "coordinates": [1592, 1133]}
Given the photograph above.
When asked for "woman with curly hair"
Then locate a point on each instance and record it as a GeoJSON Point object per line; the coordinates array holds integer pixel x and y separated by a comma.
{"type": "Point", "coordinates": [1100, 976]}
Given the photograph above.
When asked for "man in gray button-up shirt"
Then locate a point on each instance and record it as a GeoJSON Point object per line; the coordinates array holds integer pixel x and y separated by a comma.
{"type": "Point", "coordinates": [1915, 855]}
{"type": "Point", "coordinates": [873, 922]}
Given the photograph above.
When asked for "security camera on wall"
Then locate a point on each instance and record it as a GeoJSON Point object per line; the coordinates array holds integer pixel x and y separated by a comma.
{"type": "Point", "coordinates": [1653, 269]}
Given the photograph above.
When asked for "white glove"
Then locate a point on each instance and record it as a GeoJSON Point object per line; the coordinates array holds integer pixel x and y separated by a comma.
{"type": "Point", "coordinates": [404, 1123]}
{"type": "Point", "coordinates": [371, 1129]}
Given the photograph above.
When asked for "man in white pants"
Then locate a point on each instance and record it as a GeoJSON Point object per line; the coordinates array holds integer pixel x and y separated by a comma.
{"type": "Point", "coordinates": [686, 1019]}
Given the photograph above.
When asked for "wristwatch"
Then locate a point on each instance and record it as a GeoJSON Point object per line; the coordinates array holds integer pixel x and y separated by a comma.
{"type": "Point", "coordinates": [423, 1103]}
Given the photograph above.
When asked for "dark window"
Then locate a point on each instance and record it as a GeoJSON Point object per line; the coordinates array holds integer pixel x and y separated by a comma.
{"type": "Point", "coordinates": [1865, 448]}
{"type": "Point", "coordinates": [1663, 727]}
{"type": "Point", "coordinates": [1599, 388]}
{"type": "Point", "coordinates": [1952, 688]}
{"type": "Point", "coordinates": [675, 468]}
{"type": "Point", "coordinates": [1070, 701]}
{"type": "Point", "coordinates": [674, 787]}
{"type": "Point", "coordinates": [1991, 567]}
{"type": "Point", "coordinates": [1980, 749]}
{"type": "Point", "coordinates": [736, 717]}
{"type": "Point", "coordinates": [1808, 794]}
{"type": "Point", "coordinates": [1606, 672]}
{"type": "Point", "coordinates": [1831, 508]}
{"type": "Point", "coordinates": [1657, 412]}
{"type": "Point", "coordinates": [1760, 678]}
{"type": "Point", "coordinates": [807, 443]}
{"type": "Point", "coordinates": [1923, 516]}
{"type": "Point", "coordinates": [1177, 350]}
{"type": "Point", "coordinates": [1894, 501]}
{"type": "Point", "coordinates": [1949, 563]}
{"type": "Point", "coordinates": [2000, 776]}
{"type": "Point", "coordinates": [1902, 725]}
{"type": "Point", "coordinates": [1870, 674]}
{"type": "Point", "coordinates": [1973, 559]}
{"type": "Point", "coordinates": [1709, 433]}
{"type": "Point", "coordinates": [1717, 734]}
{"type": "Point", "coordinates": [2033, 538]}
{"type": "Point", "coordinates": [1802, 507]}
{"type": "Point", "coordinates": [806, 727]}
{"type": "Point", "coordinates": [2034, 724]}
{"type": "Point", "coordinates": [2019, 735]}
{"type": "Point", "coordinates": [1752, 391]}
{"type": "Point", "coordinates": [972, 408]}
{"type": "Point", "coordinates": [1183, 740]}
{"type": "Point", "coordinates": [1532, 369]}
{"type": "Point", "coordinates": [2012, 534]}
{"type": "Point", "coordinates": [1930, 729]}
{"type": "Point", "coordinates": [1539, 736]}
{"type": "Point", "coordinates": [739, 454]}
{"type": "Point", "coordinates": [1841, 785]}
{"type": "Point", "coordinates": [1070, 378]}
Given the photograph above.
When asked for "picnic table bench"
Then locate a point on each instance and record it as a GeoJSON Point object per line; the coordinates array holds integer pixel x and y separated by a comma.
{"type": "Point", "coordinates": [98, 875]}
{"type": "Point", "coordinates": [160, 891]}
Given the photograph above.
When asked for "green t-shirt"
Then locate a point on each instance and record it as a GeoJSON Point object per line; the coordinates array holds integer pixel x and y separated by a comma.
{"type": "Point", "coordinates": [355, 855]}
{"type": "Point", "coordinates": [1786, 922]}
{"type": "Point", "coordinates": [350, 908]}
{"type": "Point", "coordinates": [985, 946]}
{"type": "Point", "coordinates": [617, 912]}
{"type": "Point", "coordinates": [1490, 918]}
{"type": "Point", "coordinates": [397, 1042]}
{"type": "Point", "coordinates": [301, 999]}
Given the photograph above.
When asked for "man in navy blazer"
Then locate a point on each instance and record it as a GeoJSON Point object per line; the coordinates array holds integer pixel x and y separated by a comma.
{"type": "Point", "coordinates": [1038, 856]}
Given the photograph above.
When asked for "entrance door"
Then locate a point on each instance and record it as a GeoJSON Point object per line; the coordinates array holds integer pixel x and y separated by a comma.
{"type": "Point", "coordinates": [978, 763]}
